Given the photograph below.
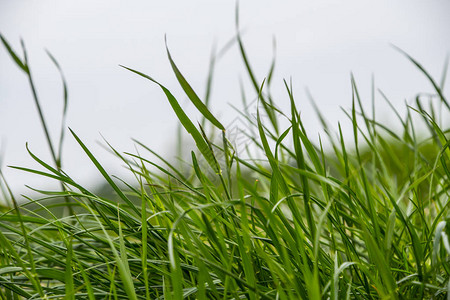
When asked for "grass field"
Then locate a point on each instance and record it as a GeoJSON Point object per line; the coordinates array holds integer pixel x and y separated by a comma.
{"type": "Point", "coordinates": [281, 218]}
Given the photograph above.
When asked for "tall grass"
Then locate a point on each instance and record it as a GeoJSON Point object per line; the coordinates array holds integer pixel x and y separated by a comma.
{"type": "Point", "coordinates": [281, 218]}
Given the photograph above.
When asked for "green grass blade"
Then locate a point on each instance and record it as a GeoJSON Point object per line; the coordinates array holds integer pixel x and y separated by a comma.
{"type": "Point", "coordinates": [70, 292]}
{"type": "Point", "coordinates": [422, 69]}
{"type": "Point", "coordinates": [14, 56]}
{"type": "Point", "coordinates": [202, 108]}
{"type": "Point", "coordinates": [185, 121]}
{"type": "Point", "coordinates": [105, 174]}
{"type": "Point", "coordinates": [65, 105]}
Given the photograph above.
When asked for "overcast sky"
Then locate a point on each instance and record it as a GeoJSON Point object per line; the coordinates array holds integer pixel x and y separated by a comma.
{"type": "Point", "coordinates": [319, 43]}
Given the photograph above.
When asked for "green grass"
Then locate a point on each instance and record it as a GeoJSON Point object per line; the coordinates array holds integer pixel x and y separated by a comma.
{"type": "Point", "coordinates": [281, 219]}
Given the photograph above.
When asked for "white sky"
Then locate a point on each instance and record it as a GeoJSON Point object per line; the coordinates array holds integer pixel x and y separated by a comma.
{"type": "Point", "coordinates": [318, 44]}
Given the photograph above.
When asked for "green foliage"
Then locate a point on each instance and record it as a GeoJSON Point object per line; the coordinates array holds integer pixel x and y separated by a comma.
{"type": "Point", "coordinates": [368, 221]}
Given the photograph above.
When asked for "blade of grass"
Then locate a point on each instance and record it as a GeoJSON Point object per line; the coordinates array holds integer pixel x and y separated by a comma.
{"type": "Point", "coordinates": [202, 108]}
{"type": "Point", "coordinates": [185, 121]}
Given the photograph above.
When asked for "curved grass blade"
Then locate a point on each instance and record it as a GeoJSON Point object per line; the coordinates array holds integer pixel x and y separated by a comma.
{"type": "Point", "coordinates": [65, 105]}
{"type": "Point", "coordinates": [192, 95]}
{"type": "Point", "coordinates": [105, 174]}
{"type": "Point", "coordinates": [14, 56]}
{"type": "Point", "coordinates": [184, 119]}
{"type": "Point", "coordinates": [421, 68]}
{"type": "Point", "coordinates": [266, 105]}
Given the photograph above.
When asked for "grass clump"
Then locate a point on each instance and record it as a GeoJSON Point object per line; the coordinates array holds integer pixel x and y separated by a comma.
{"type": "Point", "coordinates": [284, 219]}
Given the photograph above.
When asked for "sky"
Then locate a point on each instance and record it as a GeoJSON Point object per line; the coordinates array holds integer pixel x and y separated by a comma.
{"type": "Point", "coordinates": [318, 45]}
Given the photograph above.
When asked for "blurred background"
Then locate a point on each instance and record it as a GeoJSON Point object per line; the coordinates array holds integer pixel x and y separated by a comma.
{"type": "Point", "coordinates": [318, 44]}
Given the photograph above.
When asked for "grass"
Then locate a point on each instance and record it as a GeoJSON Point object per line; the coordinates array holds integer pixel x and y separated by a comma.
{"type": "Point", "coordinates": [281, 219]}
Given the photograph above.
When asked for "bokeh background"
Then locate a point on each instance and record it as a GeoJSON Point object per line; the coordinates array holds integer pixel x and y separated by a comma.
{"type": "Point", "coordinates": [318, 44]}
